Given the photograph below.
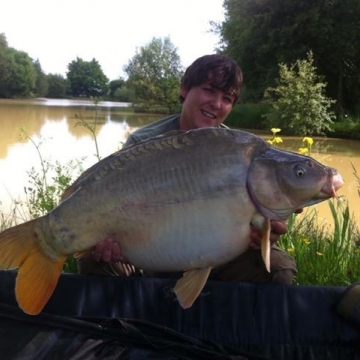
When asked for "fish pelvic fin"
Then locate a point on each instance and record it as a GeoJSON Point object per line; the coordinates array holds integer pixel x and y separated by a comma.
{"type": "Point", "coordinates": [188, 288]}
{"type": "Point", "coordinates": [38, 274]}
{"type": "Point", "coordinates": [265, 243]}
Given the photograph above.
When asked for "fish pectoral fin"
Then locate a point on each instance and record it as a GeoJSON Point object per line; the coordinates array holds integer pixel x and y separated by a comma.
{"type": "Point", "coordinates": [263, 224]}
{"type": "Point", "coordinates": [265, 243]}
{"type": "Point", "coordinates": [37, 275]}
{"type": "Point", "coordinates": [188, 288]}
{"type": "Point", "coordinates": [36, 281]}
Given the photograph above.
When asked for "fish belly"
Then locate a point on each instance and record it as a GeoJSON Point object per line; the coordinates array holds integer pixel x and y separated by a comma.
{"type": "Point", "coordinates": [157, 235]}
{"type": "Point", "coordinates": [194, 234]}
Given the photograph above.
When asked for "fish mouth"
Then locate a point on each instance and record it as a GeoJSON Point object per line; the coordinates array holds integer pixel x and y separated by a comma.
{"type": "Point", "coordinates": [330, 188]}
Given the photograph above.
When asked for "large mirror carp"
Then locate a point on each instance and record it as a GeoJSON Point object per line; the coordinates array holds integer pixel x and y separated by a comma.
{"type": "Point", "coordinates": [183, 201]}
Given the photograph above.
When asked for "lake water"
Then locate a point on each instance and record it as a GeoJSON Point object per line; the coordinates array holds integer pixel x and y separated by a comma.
{"type": "Point", "coordinates": [53, 122]}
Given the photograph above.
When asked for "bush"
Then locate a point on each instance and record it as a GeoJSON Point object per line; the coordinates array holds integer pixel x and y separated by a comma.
{"type": "Point", "coordinates": [298, 103]}
{"type": "Point", "coordinates": [346, 129]}
{"type": "Point", "coordinates": [247, 116]}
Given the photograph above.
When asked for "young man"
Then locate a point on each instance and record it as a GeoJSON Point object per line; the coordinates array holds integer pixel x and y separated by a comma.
{"type": "Point", "coordinates": [209, 89]}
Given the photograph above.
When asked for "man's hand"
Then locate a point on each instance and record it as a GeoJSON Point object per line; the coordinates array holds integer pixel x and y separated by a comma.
{"type": "Point", "coordinates": [107, 250]}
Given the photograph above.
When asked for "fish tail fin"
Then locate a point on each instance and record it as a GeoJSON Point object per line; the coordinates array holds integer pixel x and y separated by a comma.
{"type": "Point", "coordinates": [188, 288]}
{"type": "Point", "coordinates": [265, 243]}
{"type": "Point", "coordinates": [37, 275]}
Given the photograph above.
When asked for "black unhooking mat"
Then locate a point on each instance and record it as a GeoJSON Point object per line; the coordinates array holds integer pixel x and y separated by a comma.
{"type": "Point", "coordinates": [95, 317]}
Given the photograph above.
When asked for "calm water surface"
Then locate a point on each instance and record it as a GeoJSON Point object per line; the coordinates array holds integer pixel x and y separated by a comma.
{"type": "Point", "coordinates": [53, 122]}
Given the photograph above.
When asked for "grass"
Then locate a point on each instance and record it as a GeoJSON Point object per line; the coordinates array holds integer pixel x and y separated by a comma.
{"type": "Point", "coordinates": [324, 257]}
{"type": "Point", "coordinates": [8, 218]}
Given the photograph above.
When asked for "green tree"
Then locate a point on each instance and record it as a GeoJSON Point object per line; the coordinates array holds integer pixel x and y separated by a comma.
{"type": "Point", "coordinates": [41, 85]}
{"type": "Point", "coordinates": [116, 84]}
{"type": "Point", "coordinates": [3, 41]}
{"type": "Point", "coordinates": [260, 34]}
{"type": "Point", "coordinates": [123, 94]}
{"type": "Point", "coordinates": [298, 104]}
{"type": "Point", "coordinates": [119, 91]}
{"type": "Point", "coordinates": [6, 66]}
{"type": "Point", "coordinates": [154, 75]}
{"type": "Point", "coordinates": [338, 53]}
{"type": "Point", "coordinates": [257, 33]}
{"type": "Point", "coordinates": [86, 78]}
{"type": "Point", "coordinates": [24, 74]}
{"type": "Point", "coordinates": [17, 72]}
{"type": "Point", "coordinates": [57, 86]}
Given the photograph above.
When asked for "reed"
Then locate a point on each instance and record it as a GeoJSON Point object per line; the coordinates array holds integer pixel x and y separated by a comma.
{"type": "Point", "coordinates": [324, 257]}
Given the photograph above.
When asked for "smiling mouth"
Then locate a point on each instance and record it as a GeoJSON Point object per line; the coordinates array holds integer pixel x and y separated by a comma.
{"type": "Point", "coordinates": [209, 115]}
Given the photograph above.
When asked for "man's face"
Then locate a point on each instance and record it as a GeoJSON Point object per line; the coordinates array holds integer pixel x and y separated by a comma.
{"type": "Point", "coordinates": [204, 106]}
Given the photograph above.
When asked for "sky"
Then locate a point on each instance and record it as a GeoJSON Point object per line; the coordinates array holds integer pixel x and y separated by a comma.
{"type": "Point", "coordinates": [56, 32]}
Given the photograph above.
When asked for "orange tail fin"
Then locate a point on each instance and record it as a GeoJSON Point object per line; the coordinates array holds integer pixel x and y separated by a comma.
{"type": "Point", "coordinates": [38, 274]}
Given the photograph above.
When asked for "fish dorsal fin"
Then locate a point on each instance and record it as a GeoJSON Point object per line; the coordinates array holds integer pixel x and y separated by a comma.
{"type": "Point", "coordinates": [71, 189]}
{"type": "Point", "coordinates": [172, 139]}
{"type": "Point", "coordinates": [188, 288]}
{"type": "Point", "coordinates": [131, 150]}
{"type": "Point", "coordinates": [167, 134]}
{"type": "Point", "coordinates": [88, 172]}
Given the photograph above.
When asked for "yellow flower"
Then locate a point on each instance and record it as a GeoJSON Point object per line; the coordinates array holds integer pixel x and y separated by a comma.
{"type": "Point", "coordinates": [275, 130]}
{"type": "Point", "coordinates": [290, 250]}
{"type": "Point", "coordinates": [308, 140]}
{"type": "Point", "coordinates": [277, 140]}
{"type": "Point", "coordinates": [319, 253]}
{"type": "Point", "coordinates": [306, 241]}
{"type": "Point", "coordinates": [270, 142]}
{"type": "Point", "coordinates": [303, 151]}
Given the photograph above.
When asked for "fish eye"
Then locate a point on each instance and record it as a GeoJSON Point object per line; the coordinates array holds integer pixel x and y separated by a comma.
{"type": "Point", "coordinates": [299, 171]}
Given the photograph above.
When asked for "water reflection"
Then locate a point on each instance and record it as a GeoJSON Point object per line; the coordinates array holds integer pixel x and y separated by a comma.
{"type": "Point", "coordinates": [53, 122]}
{"type": "Point", "coordinates": [54, 127]}
{"type": "Point", "coordinates": [62, 103]}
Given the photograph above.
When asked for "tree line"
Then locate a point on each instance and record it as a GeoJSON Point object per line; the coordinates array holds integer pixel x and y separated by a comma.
{"type": "Point", "coordinates": [21, 76]}
{"type": "Point", "coordinates": [152, 83]}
